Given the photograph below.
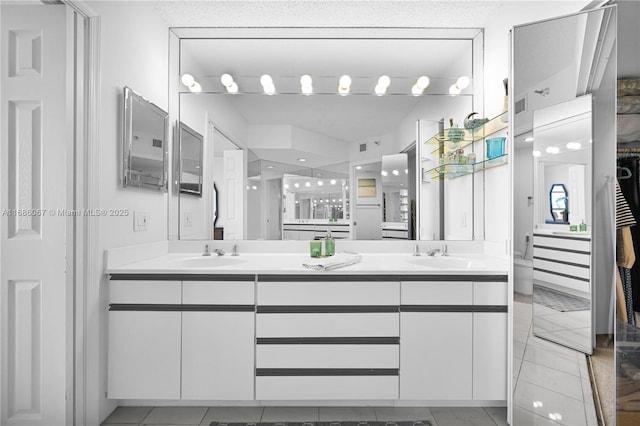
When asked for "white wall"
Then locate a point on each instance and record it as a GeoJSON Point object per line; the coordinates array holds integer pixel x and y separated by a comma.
{"type": "Point", "coordinates": [133, 52]}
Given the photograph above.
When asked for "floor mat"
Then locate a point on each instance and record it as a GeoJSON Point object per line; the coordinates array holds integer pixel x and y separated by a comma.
{"type": "Point", "coordinates": [559, 301]}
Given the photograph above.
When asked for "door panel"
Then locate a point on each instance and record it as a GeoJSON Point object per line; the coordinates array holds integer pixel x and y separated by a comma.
{"type": "Point", "coordinates": [33, 280]}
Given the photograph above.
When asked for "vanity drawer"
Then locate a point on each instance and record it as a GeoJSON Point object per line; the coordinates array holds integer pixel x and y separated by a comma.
{"type": "Point", "coordinates": [218, 292]}
{"type": "Point", "coordinates": [144, 292]}
{"type": "Point", "coordinates": [327, 356]}
{"type": "Point", "coordinates": [328, 293]}
{"type": "Point", "coordinates": [327, 387]}
{"type": "Point", "coordinates": [490, 293]}
{"type": "Point", "coordinates": [437, 293]}
{"type": "Point", "coordinates": [385, 324]}
{"type": "Point", "coordinates": [560, 242]}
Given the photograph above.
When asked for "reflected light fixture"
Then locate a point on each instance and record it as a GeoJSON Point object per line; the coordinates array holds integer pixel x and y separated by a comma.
{"type": "Point", "coordinates": [306, 84]}
{"type": "Point", "coordinates": [358, 167]}
{"type": "Point", "coordinates": [333, 181]}
{"type": "Point", "coordinates": [320, 183]}
{"type": "Point", "coordinates": [286, 186]}
{"type": "Point", "coordinates": [406, 171]}
{"type": "Point", "coordinates": [267, 84]}
{"type": "Point", "coordinates": [395, 172]}
{"type": "Point", "coordinates": [189, 81]}
{"type": "Point", "coordinates": [552, 150]}
{"type": "Point", "coordinates": [383, 84]}
{"type": "Point", "coordinates": [420, 85]}
{"type": "Point", "coordinates": [270, 166]}
{"type": "Point", "coordinates": [302, 160]}
{"type": "Point", "coordinates": [228, 82]}
{"type": "Point", "coordinates": [307, 184]}
{"type": "Point", "coordinates": [528, 139]}
{"type": "Point", "coordinates": [297, 185]}
{"type": "Point", "coordinates": [463, 82]}
{"type": "Point", "coordinates": [574, 145]}
{"type": "Point", "coordinates": [454, 90]}
{"type": "Point", "coordinates": [384, 173]}
{"type": "Point", "coordinates": [344, 85]}
{"type": "Point", "coordinates": [536, 153]}
{"type": "Point", "coordinates": [255, 188]}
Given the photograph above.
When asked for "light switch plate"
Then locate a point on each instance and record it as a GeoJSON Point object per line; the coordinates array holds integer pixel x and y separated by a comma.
{"type": "Point", "coordinates": [188, 220]}
{"type": "Point", "coordinates": [140, 221]}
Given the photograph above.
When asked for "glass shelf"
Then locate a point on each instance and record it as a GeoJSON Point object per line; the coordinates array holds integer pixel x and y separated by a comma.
{"type": "Point", "coordinates": [463, 137]}
{"type": "Point", "coordinates": [452, 171]}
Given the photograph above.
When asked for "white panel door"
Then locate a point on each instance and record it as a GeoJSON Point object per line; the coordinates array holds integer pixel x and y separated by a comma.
{"type": "Point", "coordinates": [436, 355]}
{"type": "Point", "coordinates": [235, 195]}
{"type": "Point", "coordinates": [218, 359]}
{"type": "Point", "coordinates": [33, 174]}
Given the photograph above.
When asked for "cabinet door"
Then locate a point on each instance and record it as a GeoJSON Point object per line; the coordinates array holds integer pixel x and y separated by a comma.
{"type": "Point", "coordinates": [490, 356]}
{"type": "Point", "coordinates": [435, 355]}
{"type": "Point", "coordinates": [144, 355]}
{"type": "Point", "coordinates": [217, 355]}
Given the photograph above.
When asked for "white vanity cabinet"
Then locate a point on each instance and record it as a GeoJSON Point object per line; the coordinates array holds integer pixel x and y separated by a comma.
{"type": "Point", "coordinates": [217, 340]}
{"type": "Point", "coordinates": [144, 339]}
{"type": "Point", "coordinates": [453, 340]}
{"type": "Point", "coordinates": [333, 339]}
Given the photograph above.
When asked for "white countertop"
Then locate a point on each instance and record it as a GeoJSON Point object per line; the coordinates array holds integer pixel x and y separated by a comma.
{"type": "Point", "coordinates": [292, 263]}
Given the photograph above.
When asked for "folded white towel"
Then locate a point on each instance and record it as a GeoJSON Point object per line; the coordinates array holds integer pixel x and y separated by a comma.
{"type": "Point", "coordinates": [340, 260]}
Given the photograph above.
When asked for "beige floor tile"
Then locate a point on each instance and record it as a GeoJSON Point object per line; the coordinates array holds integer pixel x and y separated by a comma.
{"type": "Point", "coordinates": [389, 414]}
{"type": "Point", "coordinates": [346, 414]}
{"type": "Point", "coordinates": [461, 416]}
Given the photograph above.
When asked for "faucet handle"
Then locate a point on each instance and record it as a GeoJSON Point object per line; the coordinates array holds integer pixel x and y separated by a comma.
{"type": "Point", "coordinates": [444, 251]}
{"type": "Point", "coordinates": [206, 250]}
{"type": "Point", "coordinates": [235, 250]}
{"type": "Point", "coordinates": [416, 250]}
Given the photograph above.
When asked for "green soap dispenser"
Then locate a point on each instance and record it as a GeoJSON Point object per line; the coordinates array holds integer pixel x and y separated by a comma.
{"type": "Point", "coordinates": [583, 227]}
{"type": "Point", "coordinates": [330, 245]}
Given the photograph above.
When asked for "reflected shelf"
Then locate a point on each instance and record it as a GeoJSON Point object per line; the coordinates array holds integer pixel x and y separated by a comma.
{"type": "Point", "coordinates": [452, 171]}
{"type": "Point", "coordinates": [457, 138]}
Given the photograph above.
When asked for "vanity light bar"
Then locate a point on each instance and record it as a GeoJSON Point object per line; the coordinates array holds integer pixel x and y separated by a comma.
{"type": "Point", "coordinates": [228, 82]}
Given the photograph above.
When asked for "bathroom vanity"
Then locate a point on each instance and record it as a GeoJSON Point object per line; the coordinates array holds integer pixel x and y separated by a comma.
{"type": "Point", "coordinates": [257, 327]}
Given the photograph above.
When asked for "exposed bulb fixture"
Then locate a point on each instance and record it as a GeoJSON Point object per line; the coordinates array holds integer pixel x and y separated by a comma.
{"type": "Point", "coordinates": [189, 81]}
{"type": "Point", "coordinates": [267, 84]}
{"type": "Point", "coordinates": [333, 181]}
{"type": "Point", "coordinates": [307, 184]}
{"type": "Point", "coordinates": [454, 90]}
{"type": "Point", "coordinates": [344, 85]}
{"type": "Point", "coordinates": [395, 172]}
{"type": "Point", "coordinates": [228, 82]}
{"type": "Point", "coordinates": [270, 166]}
{"type": "Point", "coordinates": [384, 173]}
{"type": "Point", "coordinates": [302, 160]}
{"type": "Point", "coordinates": [286, 186]}
{"type": "Point", "coordinates": [255, 188]}
{"type": "Point", "coordinates": [528, 139]}
{"type": "Point", "coordinates": [297, 185]}
{"type": "Point", "coordinates": [420, 85]}
{"type": "Point", "coordinates": [306, 84]}
{"type": "Point", "coordinates": [463, 82]}
{"type": "Point", "coordinates": [383, 84]}
{"type": "Point", "coordinates": [552, 150]}
{"type": "Point", "coordinates": [536, 153]}
{"type": "Point", "coordinates": [406, 171]}
{"type": "Point", "coordinates": [574, 145]}
{"type": "Point", "coordinates": [320, 183]}
{"type": "Point", "coordinates": [358, 167]}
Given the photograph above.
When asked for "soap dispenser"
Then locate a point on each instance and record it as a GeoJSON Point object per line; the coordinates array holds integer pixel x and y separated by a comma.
{"type": "Point", "coordinates": [583, 227]}
{"type": "Point", "coordinates": [330, 245]}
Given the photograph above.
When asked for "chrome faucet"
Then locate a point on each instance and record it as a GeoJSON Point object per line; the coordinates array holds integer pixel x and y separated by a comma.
{"type": "Point", "coordinates": [219, 252]}
{"type": "Point", "coordinates": [433, 252]}
{"type": "Point", "coordinates": [416, 250]}
{"type": "Point", "coordinates": [235, 250]}
{"type": "Point", "coordinates": [444, 251]}
{"type": "Point", "coordinates": [206, 251]}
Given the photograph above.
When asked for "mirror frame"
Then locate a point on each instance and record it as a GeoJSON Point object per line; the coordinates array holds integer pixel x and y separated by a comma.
{"type": "Point", "coordinates": [181, 188]}
{"type": "Point", "coordinates": [130, 96]}
{"type": "Point", "coordinates": [566, 203]}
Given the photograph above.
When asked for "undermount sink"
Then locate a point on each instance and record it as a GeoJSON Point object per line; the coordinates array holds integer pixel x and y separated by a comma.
{"type": "Point", "coordinates": [445, 262]}
{"type": "Point", "coordinates": [207, 261]}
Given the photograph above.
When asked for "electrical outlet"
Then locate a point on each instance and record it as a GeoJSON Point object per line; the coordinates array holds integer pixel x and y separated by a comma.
{"type": "Point", "coordinates": [188, 220]}
{"type": "Point", "coordinates": [140, 221]}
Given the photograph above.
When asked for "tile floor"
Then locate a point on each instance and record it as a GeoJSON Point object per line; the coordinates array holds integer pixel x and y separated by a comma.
{"type": "Point", "coordinates": [551, 382]}
{"type": "Point", "coordinates": [205, 415]}
{"type": "Point", "coordinates": [551, 387]}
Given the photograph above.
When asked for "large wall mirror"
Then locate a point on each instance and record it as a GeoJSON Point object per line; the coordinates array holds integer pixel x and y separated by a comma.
{"type": "Point", "coordinates": [299, 121]}
{"type": "Point", "coordinates": [564, 229]}
{"type": "Point", "coordinates": [144, 143]}
{"type": "Point", "coordinates": [190, 153]}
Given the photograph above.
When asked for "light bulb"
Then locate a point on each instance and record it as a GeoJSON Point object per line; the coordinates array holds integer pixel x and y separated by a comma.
{"type": "Point", "coordinates": [454, 90]}
{"type": "Point", "coordinates": [423, 82]}
{"type": "Point", "coordinates": [306, 80]}
{"type": "Point", "coordinates": [384, 173]}
{"type": "Point", "coordinates": [233, 88]}
{"type": "Point", "coordinates": [574, 145]}
{"type": "Point", "coordinates": [307, 184]}
{"type": "Point", "coordinates": [536, 153]}
{"type": "Point", "coordinates": [195, 87]}
{"type": "Point", "coordinates": [384, 81]}
{"type": "Point", "coordinates": [552, 150]}
{"type": "Point", "coordinates": [395, 172]}
{"type": "Point", "coordinates": [528, 139]}
{"type": "Point", "coordinates": [320, 183]}
{"type": "Point", "coordinates": [307, 90]}
{"type": "Point", "coordinates": [463, 82]}
{"type": "Point", "coordinates": [286, 186]}
{"type": "Point", "coordinates": [380, 90]}
{"type": "Point", "coordinates": [187, 80]}
{"type": "Point", "coordinates": [254, 187]}
{"type": "Point", "coordinates": [297, 185]}
{"type": "Point", "coordinates": [358, 167]}
{"type": "Point", "coordinates": [270, 89]}
{"type": "Point", "coordinates": [333, 181]}
{"type": "Point", "coordinates": [226, 80]}
{"type": "Point", "coordinates": [416, 91]}
{"type": "Point", "coordinates": [345, 81]}
{"type": "Point", "coordinates": [266, 80]}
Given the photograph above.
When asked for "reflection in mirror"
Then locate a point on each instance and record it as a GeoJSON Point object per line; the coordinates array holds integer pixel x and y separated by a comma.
{"type": "Point", "coordinates": [190, 161]}
{"type": "Point", "coordinates": [144, 143]}
{"type": "Point", "coordinates": [395, 196]}
{"type": "Point", "coordinates": [559, 203]}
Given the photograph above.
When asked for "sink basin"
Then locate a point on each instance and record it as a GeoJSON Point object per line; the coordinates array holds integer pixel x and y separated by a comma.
{"type": "Point", "coordinates": [207, 262]}
{"type": "Point", "coordinates": [445, 262]}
